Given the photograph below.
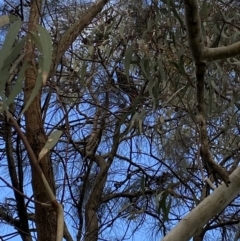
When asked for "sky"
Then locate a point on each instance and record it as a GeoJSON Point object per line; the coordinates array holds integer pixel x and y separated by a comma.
{"type": "Point", "coordinates": [140, 235]}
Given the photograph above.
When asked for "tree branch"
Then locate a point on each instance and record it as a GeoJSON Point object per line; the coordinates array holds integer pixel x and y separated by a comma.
{"type": "Point", "coordinates": [206, 210]}
{"type": "Point", "coordinates": [195, 40]}
{"type": "Point", "coordinates": [193, 25]}
{"type": "Point", "coordinates": [56, 206]}
{"type": "Point", "coordinates": [72, 33]}
{"type": "Point", "coordinates": [224, 52]}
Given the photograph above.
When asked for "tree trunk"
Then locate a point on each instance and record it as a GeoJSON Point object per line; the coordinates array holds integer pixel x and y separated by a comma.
{"type": "Point", "coordinates": [45, 219]}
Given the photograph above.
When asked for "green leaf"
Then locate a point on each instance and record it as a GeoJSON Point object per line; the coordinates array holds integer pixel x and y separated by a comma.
{"type": "Point", "coordinates": [204, 9]}
{"type": "Point", "coordinates": [43, 42]}
{"type": "Point", "coordinates": [183, 164]}
{"type": "Point", "coordinates": [127, 60]}
{"type": "Point", "coordinates": [1, 107]}
{"type": "Point", "coordinates": [46, 42]}
{"type": "Point", "coordinates": [166, 209]}
{"type": "Point", "coordinates": [132, 217]}
{"type": "Point", "coordinates": [164, 11]}
{"type": "Point", "coordinates": [149, 25]}
{"type": "Point", "coordinates": [51, 142]}
{"type": "Point", "coordinates": [150, 87]}
{"type": "Point", "coordinates": [4, 20]}
{"type": "Point", "coordinates": [34, 93]}
{"type": "Point", "coordinates": [18, 85]}
{"type": "Point", "coordinates": [102, 48]}
{"type": "Point", "coordinates": [140, 126]}
{"type": "Point", "coordinates": [125, 207]}
{"type": "Point", "coordinates": [14, 53]}
{"type": "Point", "coordinates": [225, 32]}
{"type": "Point", "coordinates": [136, 116]}
{"type": "Point", "coordinates": [83, 74]}
{"type": "Point", "coordinates": [181, 66]}
{"type": "Point", "coordinates": [6, 71]}
{"type": "Point", "coordinates": [173, 8]}
{"type": "Point", "coordinates": [175, 64]}
{"type": "Point", "coordinates": [8, 75]}
{"type": "Point", "coordinates": [9, 40]}
{"type": "Point", "coordinates": [16, 63]}
{"type": "Point", "coordinates": [121, 32]}
{"type": "Point", "coordinates": [144, 63]}
{"type": "Point", "coordinates": [44, 45]}
{"type": "Point", "coordinates": [158, 200]}
{"type": "Point", "coordinates": [13, 18]}
{"type": "Point", "coordinates": [90, 50]}
{"type": "Point", "coordinates": [184, 91]}
{"type": "Point", "coordinates": [162, 204]}
{"type": "Point", "coordinates": [161, 69]}
{"type": "Point", "coordinates": [140, 115]}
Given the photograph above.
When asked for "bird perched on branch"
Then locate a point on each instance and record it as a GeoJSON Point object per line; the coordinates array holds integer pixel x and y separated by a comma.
{"type": "Point", "coordinates": [126, 84]}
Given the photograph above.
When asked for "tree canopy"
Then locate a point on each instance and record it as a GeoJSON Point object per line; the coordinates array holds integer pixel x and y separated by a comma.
{"type": "Point", "coordinates": [119, 118]}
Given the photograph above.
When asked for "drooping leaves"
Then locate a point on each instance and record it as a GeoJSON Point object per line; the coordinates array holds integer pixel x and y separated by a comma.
{"type": "Point", "coordinates": [43, 42]}
{"type": "Point", "coordinates": [51, 142]}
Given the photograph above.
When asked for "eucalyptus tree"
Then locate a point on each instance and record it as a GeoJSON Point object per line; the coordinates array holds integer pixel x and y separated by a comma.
{"type": "Point", "coordinates": [139, 145]}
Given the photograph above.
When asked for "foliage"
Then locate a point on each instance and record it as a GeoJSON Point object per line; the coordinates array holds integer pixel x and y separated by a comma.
{"type": "Point", "coordinates": [11, 64]}
{"type": "Point", "coordinates": [123, 100]}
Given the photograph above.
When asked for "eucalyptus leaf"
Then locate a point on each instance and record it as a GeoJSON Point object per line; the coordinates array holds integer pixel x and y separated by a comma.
{"type": "Point", "coordinates": [127, 60]}
{"type": "Point", "coordinates": [4, 20]}
{"type": "Point", "coordinates": [204, 8]}
{"type": "Point", "coordinates": [125, 207]}
{"type": "Point", "coordinates": [18, 85]}
{"type": "Point", "coordinates": [14, 53]}
{"type": "Point", "coordinates": [9, 41]}
{"type": "Point", "coordinates": [44, 44]}
{"type": "Point", "coordinates": [166, 209]}
{"type": "Point", "coordinates": [34, 93]}
{"type": "Point", "coordinates": [51, 142]}
{"type": "Point", "coordinates": [132, 217]}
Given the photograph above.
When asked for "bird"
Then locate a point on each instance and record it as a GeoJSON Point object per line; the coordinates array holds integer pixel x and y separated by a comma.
{"type": "Point", "coordinates": [126, 84]}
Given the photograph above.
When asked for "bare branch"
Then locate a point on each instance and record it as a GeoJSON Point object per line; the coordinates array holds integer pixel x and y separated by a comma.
{"type": "Point", "coordinates": [73, 32]}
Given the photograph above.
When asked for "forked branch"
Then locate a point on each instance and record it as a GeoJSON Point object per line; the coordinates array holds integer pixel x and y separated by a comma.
{"type": "Point", "coordinates": [195, 40]}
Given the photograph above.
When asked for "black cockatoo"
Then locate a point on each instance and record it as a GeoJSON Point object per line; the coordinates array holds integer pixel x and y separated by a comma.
{"type": "Point", "coordinates": [126, 85]}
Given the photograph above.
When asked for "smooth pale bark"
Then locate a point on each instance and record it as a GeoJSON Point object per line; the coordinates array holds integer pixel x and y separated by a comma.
{"type": "Point", "coordinates": [224, 52]}
{"type": "Point", "coordinates": [223, 195]}
{"type": "Point", "coordinates": [195, 37]}
{"type": "Point", "coordinates": [207, 209]}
